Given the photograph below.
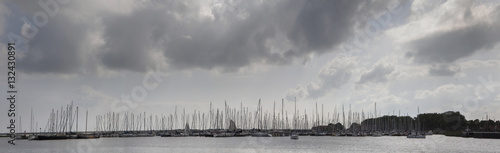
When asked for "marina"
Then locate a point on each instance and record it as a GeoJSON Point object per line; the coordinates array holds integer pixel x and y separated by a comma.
{"type": "Point", "coordinates": [435, 143]}
{"type": "Point", "coordinates": [258, 124]}
{"type": "Point", "coordinates": [228, 76]}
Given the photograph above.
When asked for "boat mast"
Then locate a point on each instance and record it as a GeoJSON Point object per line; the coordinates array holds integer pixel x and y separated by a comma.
{"type": "Point", "coordinates": [86, 120]}
{"type": "Point", "coordinates": [31, 121]}
{"type": "Point", "coordinates": [376, 117]}
{"type": "Point", "coordinates": [76, 118]}
{"type": "Point", "coordinates": [418, 119]}
{"type": "Point", "coordinates": [20, 124]}
{"type": "Point", "coordinates": [343, 117]}
{"type": "Point", "coordinates": [210, 117]}
{"type": "Point", "coordinates": [316, 115]}
{"type": "Point", "coordinates": [282, 113]}
{"type": "Point", "coordinates": [241, 114]}
{"type": "Point", "coordinates": [294, 115]}
{"type": "Point", "coordinates": [274, 115]}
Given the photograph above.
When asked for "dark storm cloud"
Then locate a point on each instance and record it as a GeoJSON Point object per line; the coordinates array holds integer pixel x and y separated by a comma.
{"type": "Point", "coordinates": [233, 35]}
{"type": "Point", "coordinates": [56, 48]}
{"type": "Point", "coordinates": [211, 44]}
{"type": "Point", "coordinates": [440, 50]}
{"type": "Point", "coordinates": [449, 46]}
{"type": "Point", "coordinates": [323, 24]}
{"type": "Point", "coordinates": [129, 39]}
{"type": "Point", "coordinates": [311, 27]}
{"type": "Point", "coordinates": [229, 41]}
{"type": "Point", "coordinates": [236, 37]}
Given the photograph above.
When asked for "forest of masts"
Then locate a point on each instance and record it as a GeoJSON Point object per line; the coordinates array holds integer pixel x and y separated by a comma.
{"type": "Point", "coordinates": [244, 118]}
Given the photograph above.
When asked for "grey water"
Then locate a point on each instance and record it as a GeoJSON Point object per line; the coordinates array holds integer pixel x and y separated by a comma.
{"type": "Point", "coordinates": [434, 143]}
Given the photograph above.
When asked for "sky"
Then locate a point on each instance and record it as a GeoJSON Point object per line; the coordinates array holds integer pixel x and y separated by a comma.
{"type": "Point", "coordinates": [151, 56]}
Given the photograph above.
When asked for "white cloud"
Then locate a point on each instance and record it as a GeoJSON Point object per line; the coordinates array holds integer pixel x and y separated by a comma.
{"type": "Point", "coordinates": [336, 73]}
{"type": "Point", "coordinates": [431, 17]}
{"type": "Point", "coordinates": [378, 74]}
{"type": "Point", "coordinates": [93, 98]}
{"type": "Point", "coordinates": [472, 64]}
{"type": "Point", "coordinates": [447, 90]}
{"type": "Point", "coordinates": [405, 72]}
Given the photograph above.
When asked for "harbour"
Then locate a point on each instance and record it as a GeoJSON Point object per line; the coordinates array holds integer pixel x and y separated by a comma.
{"type": "Point", "coordinates": [233, 123]}
{"type": "Point", "coordinates": [435, 143]}
{"type": "Point", "coordinates": [228, 76]}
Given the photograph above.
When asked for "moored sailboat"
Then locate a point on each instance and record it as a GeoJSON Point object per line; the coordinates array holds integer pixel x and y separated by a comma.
{"type": "Point", "coordinates": [414, 134]}
{"type": "Point", "coordinates": [294, 136]}
{"type": "Point", "coordinates": [417, 134]}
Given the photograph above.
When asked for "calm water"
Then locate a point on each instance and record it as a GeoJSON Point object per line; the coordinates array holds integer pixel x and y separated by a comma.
{"type": "Point", "coordinates": [435, 143]}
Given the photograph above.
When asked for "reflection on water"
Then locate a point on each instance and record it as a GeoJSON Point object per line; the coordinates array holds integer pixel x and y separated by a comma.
{"type": "Point", "coordinates": [435, 143]}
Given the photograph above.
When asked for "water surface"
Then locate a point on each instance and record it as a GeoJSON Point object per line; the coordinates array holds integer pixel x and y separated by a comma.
{"type": "Point", "coordinates": [435, 143]}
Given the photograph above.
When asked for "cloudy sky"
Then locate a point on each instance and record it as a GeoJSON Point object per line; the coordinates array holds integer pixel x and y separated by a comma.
{"type": "Point", "coordinates": [153, 55]}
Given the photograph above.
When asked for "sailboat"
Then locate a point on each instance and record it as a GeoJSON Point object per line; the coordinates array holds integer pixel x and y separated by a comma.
{"type": "Point", "coordinates": [294, 135]}
{"type": "Point", "coordinates": [227, 133]}
{"type": "Point", "coordinates": [186, 131]}
{"type": "Point", "coordinates": [429, 133]}
{"type": "Point", "coordinates": [376, 133]}
{"type": "Point", "coordinates": [261, 134]}
{"type": "Point", "coordinates": [416, 134]}
{"type": "Point", "coordinates": [85, 135]}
